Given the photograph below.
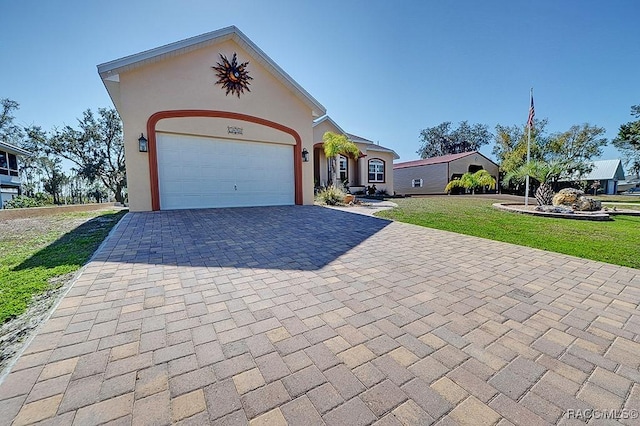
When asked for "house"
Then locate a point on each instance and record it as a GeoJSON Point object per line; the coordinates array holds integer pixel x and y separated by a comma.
{"type": "Point", "coordinates": [10, 182]}
{"type": "Point", "coordinates": [607, 173]}
{"type": "Point", "coordinates": [631, 183]}
{"type": "Point", "coordinates": [431, 175]}
{"type": "Point", "coordinates": [212, 121]}
{"type": "Point", "coordinates": [372, 167]}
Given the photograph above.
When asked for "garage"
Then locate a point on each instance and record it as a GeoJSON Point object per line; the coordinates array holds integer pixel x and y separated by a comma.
{"type": "Point", "coordinates": [212, 122]}
{"type": "Point", "coordinates": [200, 172]}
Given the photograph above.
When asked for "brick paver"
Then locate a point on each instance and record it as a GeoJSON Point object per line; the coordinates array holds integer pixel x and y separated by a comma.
{"type": "Point", "coordinates": [306, 315]}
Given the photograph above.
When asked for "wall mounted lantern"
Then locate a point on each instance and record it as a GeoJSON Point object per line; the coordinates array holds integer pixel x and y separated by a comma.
{"type": "Point", "coordinates": [143, 144]}
{"type": "Point", "coordinates": [305, 155]}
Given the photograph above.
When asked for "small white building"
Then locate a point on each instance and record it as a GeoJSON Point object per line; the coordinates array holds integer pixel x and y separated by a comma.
{"type": "Point", "coordinates": [10, 182]}
{"type": "Point", "coordinates": [608, 173]}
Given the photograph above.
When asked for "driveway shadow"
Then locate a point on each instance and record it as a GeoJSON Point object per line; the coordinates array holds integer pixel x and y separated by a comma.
{"type": "Point", "coordinates": [285, 237]}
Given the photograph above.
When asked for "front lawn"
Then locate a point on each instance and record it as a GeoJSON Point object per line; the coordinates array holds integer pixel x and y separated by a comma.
{"type": "Point", "coordinates": [36, 252]}
{"type": "Point", "coordinates": [616, 241]}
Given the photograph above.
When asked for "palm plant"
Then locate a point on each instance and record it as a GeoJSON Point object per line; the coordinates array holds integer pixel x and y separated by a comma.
{"type": "Point", "coordinates": [335, 145]}
{"type": "Point", "coordinates": [544, 172]}
{"type": "Point", "coordinates": [471, 181]}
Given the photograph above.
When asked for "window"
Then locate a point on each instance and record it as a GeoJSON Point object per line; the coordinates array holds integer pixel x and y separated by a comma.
{"type": "Point", "coordinates": [344, 166]}
{"type": "Point", "coordinates": [416, 183]}
{"type": "Point", "coordinates": [4, 166]}
{"type": "Point", "coordinates": [8, 164]}
{"type": "Point", "coordinates": [13, 165]}
{"type": "Point", "coordinates": [376, 170]}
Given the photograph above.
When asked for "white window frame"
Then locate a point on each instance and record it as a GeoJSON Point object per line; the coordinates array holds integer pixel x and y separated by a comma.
{"type": "Point", "coordinates": [8, 170]}
{"type": "Point", "coordinates": [419, 183]}
{"type": "Point", "coordinates": [378, 170]}
{"type": "Point", "coordinates": [342, 160]}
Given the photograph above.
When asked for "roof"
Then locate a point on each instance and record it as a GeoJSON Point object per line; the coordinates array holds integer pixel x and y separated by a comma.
{"type": "Point", "coordinates": [330, 120]}
{"type": "Point", "coordinates": [437, 160]}
{"type": "Point", "coordinates": [605, 170]}
{"type": "Point", "coordinates": [368, 145]}
{"type": "Point", "coordinates": [13, 149]}
{"type": "Point", "coordinates": [110, 71]}
{"type": "Point", "coordinates": [358, 139]}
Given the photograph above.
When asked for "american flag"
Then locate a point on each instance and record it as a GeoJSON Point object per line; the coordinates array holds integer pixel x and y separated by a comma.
{"type": "Point", "coordinates": [532, 113]}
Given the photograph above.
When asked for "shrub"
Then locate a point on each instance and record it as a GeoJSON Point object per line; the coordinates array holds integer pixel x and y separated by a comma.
{"type": "Point", "coordinates": [382, 192]}
{"type": "Point", "coordinates": [22, 201]}
{"type": "Point", "coordinates": [331, 196]}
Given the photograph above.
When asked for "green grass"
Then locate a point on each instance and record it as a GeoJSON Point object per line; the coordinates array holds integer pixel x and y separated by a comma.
{"type": "Point", "coordinates": [627, 199]}
{"type": "Point", "coordinates": [31, 259]}
{"type": "Point", "coordinates": [616, 242]}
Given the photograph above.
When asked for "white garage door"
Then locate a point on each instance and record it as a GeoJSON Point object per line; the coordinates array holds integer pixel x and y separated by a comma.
{"type": "Point", "coordinates": [197, 172]}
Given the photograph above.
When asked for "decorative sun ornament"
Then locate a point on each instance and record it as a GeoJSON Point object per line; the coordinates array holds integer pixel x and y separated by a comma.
{"type": "Point", "coordinates": [233, 77]}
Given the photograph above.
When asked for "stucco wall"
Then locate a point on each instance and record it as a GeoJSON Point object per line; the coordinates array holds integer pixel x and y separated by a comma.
{"type": "Point", "coordinates": [188, 81]}
{"type": "Point", "coordinates": [388, 184]}
{"type": "Point", "coordinates": [358, 173]}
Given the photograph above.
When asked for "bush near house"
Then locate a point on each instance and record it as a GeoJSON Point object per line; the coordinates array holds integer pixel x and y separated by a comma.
{"type": "Point", "coordinates": [22, 201]}
{"type": "Point", "coordinates": [331, 196]}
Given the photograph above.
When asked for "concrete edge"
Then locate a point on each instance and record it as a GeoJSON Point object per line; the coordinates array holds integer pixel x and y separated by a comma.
{"type": "Point", "coordinates": [575, 216]}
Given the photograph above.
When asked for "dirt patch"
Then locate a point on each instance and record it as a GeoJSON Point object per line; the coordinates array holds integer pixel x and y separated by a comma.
{"type": "Point", "coordinates": [17, 331]}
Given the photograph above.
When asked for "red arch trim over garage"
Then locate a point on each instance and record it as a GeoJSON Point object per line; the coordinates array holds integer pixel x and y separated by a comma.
{"type": "Point", "coordinates": [183, 113]}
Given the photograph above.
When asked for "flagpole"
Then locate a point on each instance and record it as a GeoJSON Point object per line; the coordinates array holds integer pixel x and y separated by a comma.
{"type": "Point", "coordinates": [526, 190]}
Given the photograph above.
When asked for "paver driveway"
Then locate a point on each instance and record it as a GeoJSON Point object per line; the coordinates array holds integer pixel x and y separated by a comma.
{"type": "Point", "coordinates": [308, 315]}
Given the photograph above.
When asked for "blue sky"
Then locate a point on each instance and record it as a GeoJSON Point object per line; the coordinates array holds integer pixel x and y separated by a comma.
{"type": "Point", "coordinates": [383, 69]}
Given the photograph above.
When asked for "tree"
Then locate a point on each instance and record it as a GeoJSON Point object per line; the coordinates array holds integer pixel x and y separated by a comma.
{"type": "Point", "coordinates": [577, 147]}
{"type": "Point", "coordinates": [335, 145]}
{"type": "Point", "coordinates": [573, 149]}
{"type": "Point", "coordinates": [35, 142]}
{"type": "Point", "coordinates": [9, 131]}
{"type": "Point", "coordinates": [471, 181]}
{"type": "Point", "coordinates": [54, 177]}
{"type": "Point", "coordinates": [96, 148]}
{"type": "Point", "coordinates": [628, 141]}
{"type": "Point", "coordinates": [443, 140]}
{"type": "Point", "coordinates": [510, 146]}
{"type": "Point", "coordinates": [546, 173]}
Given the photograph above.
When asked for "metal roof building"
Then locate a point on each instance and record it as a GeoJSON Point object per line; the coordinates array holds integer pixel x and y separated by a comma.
{"type": "Point", "coordinates": [608, 173]}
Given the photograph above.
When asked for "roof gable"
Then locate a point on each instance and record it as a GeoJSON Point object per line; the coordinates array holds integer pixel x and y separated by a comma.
{"type": "Point", "coordinates": [438, 160]}
{"type": "Point", "coordinates": [363, 144]}
{"type": "Point", "coordinates": [110, 71]}
{"type": "Point", "coordinates": [605, 170]}
{"type": "Point", "coordinates": [328, 120]}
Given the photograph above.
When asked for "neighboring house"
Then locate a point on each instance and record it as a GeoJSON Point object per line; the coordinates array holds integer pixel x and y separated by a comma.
{"type": "Point", "coordinates": [374, 165]}
{"type": "Point", "coordinates": [431, 175]}
{"type": "Point", "coordinates": [222, 124]}
{"type": "Point", "coordinates": [10, 182]}
{"type": "Point", "coordinates": [608, 173]}
{"type": "Point", "coordinates": [631, 183]}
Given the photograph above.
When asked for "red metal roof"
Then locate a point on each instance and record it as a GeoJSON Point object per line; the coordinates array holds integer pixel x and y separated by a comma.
{"type": "Point", "coordinates": [434, 160]}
